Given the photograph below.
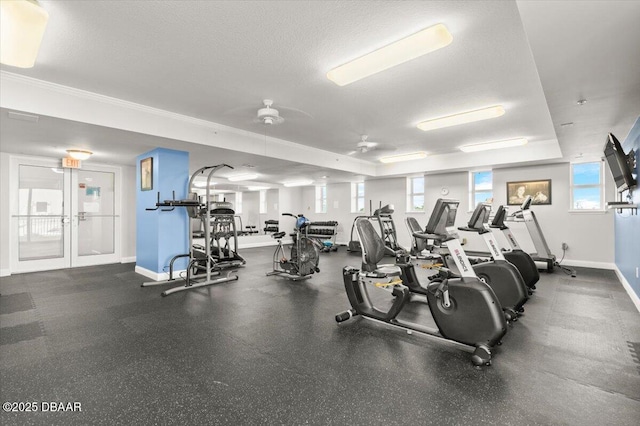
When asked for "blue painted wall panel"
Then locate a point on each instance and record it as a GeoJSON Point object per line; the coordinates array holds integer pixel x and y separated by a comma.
{"type": "Point", "coordinates": [160, 235]}
{"type": "Point", "coordinates": [627, 227]}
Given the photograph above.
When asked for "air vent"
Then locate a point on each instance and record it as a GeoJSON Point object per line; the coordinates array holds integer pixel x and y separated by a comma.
{"type": "Point", "coordinates": [23, 117]}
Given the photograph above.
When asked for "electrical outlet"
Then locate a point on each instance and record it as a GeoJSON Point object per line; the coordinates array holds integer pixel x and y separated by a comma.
{"type": "Point", "coordinates": [637, 272]}
{"type": "Point", "coordinates": [565, 246]}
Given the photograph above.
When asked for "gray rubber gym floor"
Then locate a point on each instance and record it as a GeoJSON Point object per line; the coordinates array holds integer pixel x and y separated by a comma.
{"type": "Point", "coordinates": [265, 350]}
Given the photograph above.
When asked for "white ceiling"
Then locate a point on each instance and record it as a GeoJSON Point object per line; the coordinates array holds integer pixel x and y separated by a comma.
{"type": "Point", "coordinates": [216, 61]}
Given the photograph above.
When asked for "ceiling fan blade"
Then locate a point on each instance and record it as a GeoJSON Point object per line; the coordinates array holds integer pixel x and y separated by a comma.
{"type": "Point", "coordinates": [293, 111]}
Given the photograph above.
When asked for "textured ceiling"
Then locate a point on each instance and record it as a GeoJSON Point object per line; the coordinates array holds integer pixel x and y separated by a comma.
{"type": "Point", "coordinates": [216, 61]}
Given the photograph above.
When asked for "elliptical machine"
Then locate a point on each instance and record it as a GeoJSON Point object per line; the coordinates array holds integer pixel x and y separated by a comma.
{"type": "Point", "coordinates": [466, 311]}
{"type": "Point", "coordinates": [305, 253]}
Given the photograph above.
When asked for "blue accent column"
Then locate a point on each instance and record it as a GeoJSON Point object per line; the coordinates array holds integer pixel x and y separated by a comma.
{"type": "Point", "coordinates": [162, 235]}
{"type": "Point", "coordinates": [627, 228]}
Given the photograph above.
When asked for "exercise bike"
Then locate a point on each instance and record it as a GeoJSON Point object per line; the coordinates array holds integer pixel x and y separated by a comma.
{"type": "Point", "coordinates": [465, 309]}
{"type": "Point", "coordinates": [305, 253]}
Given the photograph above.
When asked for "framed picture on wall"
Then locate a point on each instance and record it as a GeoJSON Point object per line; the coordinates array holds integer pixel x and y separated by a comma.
{"type": "Point", "coordinates": [146, 174]}
{"type": "Point", "coordinates": [540, 191]}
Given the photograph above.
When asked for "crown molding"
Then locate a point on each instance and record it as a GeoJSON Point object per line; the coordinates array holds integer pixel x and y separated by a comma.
{"type": "Point", "coordinates": [298, 152]}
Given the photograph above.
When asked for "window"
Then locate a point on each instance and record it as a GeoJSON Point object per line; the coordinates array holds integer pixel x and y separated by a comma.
{"type": "Point", "coordinates": [238, 206]}
{"type": "Point", "coordinates": [263, 201]}
{"type": "Point", "coordinates": [587, 186]}
{"type": "Point", "coordinates": [321, 199]}
{"type": "Point", "coordinates": [357, 197]}
{"type": "Point", "coordinates": [480, 188]}
{"type": "Point", "coordinates": [415, 194]}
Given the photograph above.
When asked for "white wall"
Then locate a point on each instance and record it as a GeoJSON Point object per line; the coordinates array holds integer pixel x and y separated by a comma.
{"type": "Point", "coordinates": [588, 235]}
{"type": "Point", "coordinates": [290, 200]}
{"type": "Point", "coordinates": [250, 209]}
{"type": "Point", "coordinates": [5, 248]}
{"type": "Point", "coordinates": [128, 214]}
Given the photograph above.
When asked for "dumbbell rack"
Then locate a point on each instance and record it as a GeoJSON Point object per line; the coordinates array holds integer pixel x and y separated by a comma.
{"type": "Point", "coordinates": [271, 226]}
{"type": "Point", "coordinates": [323, 231]}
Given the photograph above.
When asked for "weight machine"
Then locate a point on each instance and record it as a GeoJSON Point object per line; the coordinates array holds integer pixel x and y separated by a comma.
{"type": "Point", "coordinates": [219, 254]}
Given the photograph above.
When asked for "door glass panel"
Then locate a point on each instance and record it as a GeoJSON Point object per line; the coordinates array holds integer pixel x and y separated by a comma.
{"type": "Point", "coordinates": [40, 210]}
{"type": "Point", "coordinates": [96, 208]}
{"type": "Point", "coordinates": [96, 235]}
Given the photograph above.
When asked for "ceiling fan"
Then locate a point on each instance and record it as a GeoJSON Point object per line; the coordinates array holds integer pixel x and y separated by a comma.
{"type": "Point", "coordinates": [365, 146]}
{"type": "Point", "coordinates": [270, 115]}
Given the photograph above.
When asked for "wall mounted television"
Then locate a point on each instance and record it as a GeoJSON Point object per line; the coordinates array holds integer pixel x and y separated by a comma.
{"type": "Point", "coordinates": [621, 165]}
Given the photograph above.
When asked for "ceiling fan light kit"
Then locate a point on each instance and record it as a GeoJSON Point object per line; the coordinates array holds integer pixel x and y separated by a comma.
{"type": "Point", "coordinates": [462, 118]}
{"type": "Point", "coordinates": [22, 26]}
{"type": "Point", "coordinates": [406, 49]}
{"type": "Point", "coordinates": [403, 157]}
{"type": "Point", "coordinates": [494, 145]}
{"type": "Point", "coordinates": [268, 115]}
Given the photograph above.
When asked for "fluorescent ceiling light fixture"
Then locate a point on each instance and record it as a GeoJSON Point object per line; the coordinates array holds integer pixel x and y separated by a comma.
{"type": "Point", "coordinates": [411, 47]}
{"type": "Point", "coordinates": [79, 154]}
{"type": "Point", "coordinates": [462, 118]}
{"type": "Point", "coordinates": [298, 183]}
{"type": "Point", "coordinates": [21, 29]}
{"type": "Point", "coordinates": [257, 188]}
{"type": "Point", "coordinates": [248, 176]}
{"type": "Point", "coordinates": [203, 184]}
{"type": "Point", "coordinates": [494, 145]}
{"type": "Point", "coordinates": [403, 157]}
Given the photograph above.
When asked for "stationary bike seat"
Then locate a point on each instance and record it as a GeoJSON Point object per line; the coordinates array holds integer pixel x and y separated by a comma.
{"type": "Point", "coordinates": [278, 235]}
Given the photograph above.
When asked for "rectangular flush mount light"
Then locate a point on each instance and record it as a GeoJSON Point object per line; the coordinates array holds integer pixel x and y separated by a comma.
{"type": "Point", "coordinates": [200, 184]}
{"type": "Point", "coordinates": [462, 118]}
{"type": "Point", "coordinates": [411, 47]}
{"type": "Point", "coordinates": [237, 178]}
{"type": "Point", "coordinates": [493, 145]}
{"type": "Point", "coordinates": [403, 157]}
{"type": "Point", "coordinates": [298, 183]}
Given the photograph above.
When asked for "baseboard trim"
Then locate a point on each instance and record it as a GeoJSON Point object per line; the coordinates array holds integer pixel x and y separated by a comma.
{"type": "Point", "coordinates": [157, 276]}
{"type": "Point", "coordinates": [589, 264]}
{"type": "Point", "coordinates": [131, 259]}
{"type": "Point", "coordinates": [632, 294]}
{"type": "Point", "coordinates": [262, 244]}
{"type": "Point", "coordinates": [5, 272]}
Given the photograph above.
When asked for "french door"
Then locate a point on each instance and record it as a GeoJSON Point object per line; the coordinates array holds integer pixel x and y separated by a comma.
{"type": "Point", "coordinates": [63, 218]}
